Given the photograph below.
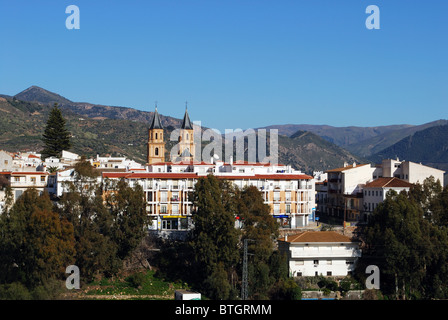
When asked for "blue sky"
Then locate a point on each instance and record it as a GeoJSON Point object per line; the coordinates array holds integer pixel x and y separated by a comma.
{"type": "Point", "coordinates": [239, 63]}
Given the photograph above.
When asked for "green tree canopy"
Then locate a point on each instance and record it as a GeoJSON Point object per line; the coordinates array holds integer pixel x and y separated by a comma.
{"type": "Point", "coordinates": [214, 238]}
{"type": "Point", "coordinates": [56, 137]}
{"type": "Point", "coordinates": [406, 241]}
{"type": "Point", "coordinates": [35, 244]}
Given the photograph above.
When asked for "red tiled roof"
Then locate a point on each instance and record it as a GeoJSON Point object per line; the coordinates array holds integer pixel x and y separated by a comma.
{"type": "Point", "coordinates": [390, 182]}
{"type": "Point", "coordinates": [190, 175]}
{"type": "Point", "coordinates": [317, 236]}
{"type": "Point", "coordinates": [274, 176]}
{"type": "Point", "coordinates": [18, 173]}
{"type": "Point", "coordinates": [182, 163]}
{"type": "Point", "coordinates": [149, 175]}
{"type": "Point", "coordinates": [161, 175]}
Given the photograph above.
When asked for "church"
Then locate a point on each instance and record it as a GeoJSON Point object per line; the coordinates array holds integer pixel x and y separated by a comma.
{"type": "Point", "coordinates": [156, 145]}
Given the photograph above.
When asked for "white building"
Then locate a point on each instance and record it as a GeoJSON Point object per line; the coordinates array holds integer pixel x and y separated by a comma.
{"type": "Point", "coordinates": [345, 187]}
{"type": "Point", "coordinates": [115, 163]}
{"type": "Point", "coordinates": [21, 181]}
{"type": "Point", "coordinates": [375, 192]}
{"type": "Point", "coordinates": [167, 186]}
{"type": "Point", "coordinates": [409, 171]}
{"type": "Point", "coordinates": [6, 161]}
{"type": "Point", "coordinates": [315, 253]}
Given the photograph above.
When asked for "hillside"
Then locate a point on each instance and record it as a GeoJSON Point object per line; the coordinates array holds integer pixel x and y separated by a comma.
{"type": "Point", "coordinates": [361, 141]}
{"type": "Point", "coordinates": [429, 146]}
{"type": "Point", "coordinates": [382, 141]}
{"type": "Point", "coordinates": [341, 136]}
{"type": "Point", "coordinates": [98, 129]}
{"type": "Point", "coordinates": [89, 110]}
{"type": "Point", "coordinates": [22, 124]}
{"type": "Point", "coordinates": [308, 152]}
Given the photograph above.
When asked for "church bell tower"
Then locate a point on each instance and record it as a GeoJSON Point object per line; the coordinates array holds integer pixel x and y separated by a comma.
{"type": "Point", "coordinates": [156, 145]}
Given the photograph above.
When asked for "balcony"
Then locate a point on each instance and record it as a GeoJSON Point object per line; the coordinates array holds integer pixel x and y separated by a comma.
{"type": "Point", "coordinates": [307, 252]}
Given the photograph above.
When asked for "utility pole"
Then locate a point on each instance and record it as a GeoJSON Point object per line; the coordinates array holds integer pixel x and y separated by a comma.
{"type": "Point", "coordinates": [244, 291]}
{"type": "Point", "coordinates": [244, 286]}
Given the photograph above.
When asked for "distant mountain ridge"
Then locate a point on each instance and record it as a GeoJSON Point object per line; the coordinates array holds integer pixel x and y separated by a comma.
{"type": "Point", "coordinates": [85, 109]}
{"type": "Point", "coordinates": [120, 130]}
{"type": "Point", "coordinates": [429, 146]}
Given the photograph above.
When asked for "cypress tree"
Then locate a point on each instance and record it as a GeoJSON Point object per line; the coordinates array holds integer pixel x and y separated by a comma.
{"type": "Point", "coordinates": [56, 137]}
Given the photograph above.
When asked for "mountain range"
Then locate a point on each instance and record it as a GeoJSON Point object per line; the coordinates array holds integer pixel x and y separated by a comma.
{"type": "Point", "coordinates": [103, 129]}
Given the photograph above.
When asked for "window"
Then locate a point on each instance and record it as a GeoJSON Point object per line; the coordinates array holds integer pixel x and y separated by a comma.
{"type": "Point", "coordinates": [163, 209]}
{"type": "Point", "coordinates": [175, 208]}
{"type": "Point", "coordinates": [175, 196]}
{"type": "Point", "coordinates": [288, 208]}
{"type": "Point", "coordinates": [6, 161]}
{"type": "Point", "coordinates": [170, 224]}
{"type": "Point", "coordinates": [276, 196]}
{"type": "Point", "coordinates": [329, 262]}
{"type": "Point", "coordinates": [33, 179]}
{"type": "Point", "coordinates": [276, 208]}
{"type": "Point", "coordinates": [316, 262]}
{"type": "Point", "coordinates": [42, 179]}
{"type": "Point", "coordinates": [156, 135]}
{"type": "Point", "coordinates": [16, 179]}
{"type": "Point", "coordinates": [156, 152]}
{"type": "Point", "coordinates": [328, 273]}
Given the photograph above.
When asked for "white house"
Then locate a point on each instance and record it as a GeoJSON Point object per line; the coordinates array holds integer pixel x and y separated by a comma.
{"type": "Point", "coordinates": [375, 191]}
{"type": "Point", "coordinates": [314, 253]}
{"type": "Point", "coordinates": [409, 171]}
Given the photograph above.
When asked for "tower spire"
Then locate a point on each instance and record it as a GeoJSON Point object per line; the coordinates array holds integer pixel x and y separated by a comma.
{"type": "Point", "coordinates": [186, 123]}
{"type": "Point", "coordinates": [156, 123]}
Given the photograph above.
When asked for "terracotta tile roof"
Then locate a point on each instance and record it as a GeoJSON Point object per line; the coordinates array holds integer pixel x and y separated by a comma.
{"type": "Point", "coordinates": [149, 175]}
{"type": "Point", "coordinates": [278, 176]}
{"type": "Point", "coordinates": [182, 163]}
{"type": "Point", "coordinates": [19, 173]}
{"type": "Point", "coordinates": [191, 175]}
{"type": "Point", "coordinates": [317, 236]}
{"type": "Point", "coordinates": [350, 166]}
{"type": "Point", "coordinates": [388, 183]}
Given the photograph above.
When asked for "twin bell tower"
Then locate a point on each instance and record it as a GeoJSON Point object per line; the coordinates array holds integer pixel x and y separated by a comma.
{"type": "Point", "coordinates": [156, 143]}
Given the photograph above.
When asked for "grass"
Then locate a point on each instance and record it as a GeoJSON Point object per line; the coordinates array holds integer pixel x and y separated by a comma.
{"type": "Point", "coordinates": [140, 285]}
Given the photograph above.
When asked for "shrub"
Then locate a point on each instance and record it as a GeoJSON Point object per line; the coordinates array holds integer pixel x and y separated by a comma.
{"type": "Point", "coordinates": [136, 280]}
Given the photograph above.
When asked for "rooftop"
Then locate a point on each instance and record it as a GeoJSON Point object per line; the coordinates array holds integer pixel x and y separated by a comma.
{"type": "Point", "coordinates": [348, 167]}
{"type": "Point", "coordinates": [389, 183]}
{"type": "Point", "coordinates": [317, 236]}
